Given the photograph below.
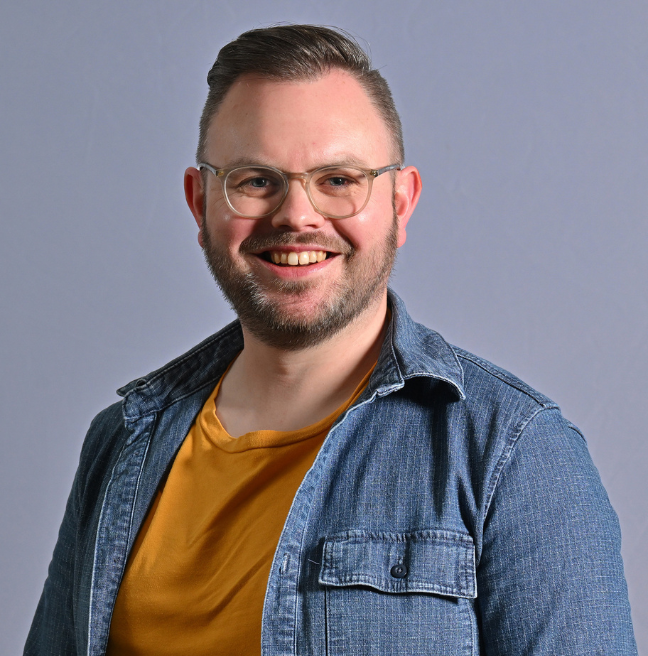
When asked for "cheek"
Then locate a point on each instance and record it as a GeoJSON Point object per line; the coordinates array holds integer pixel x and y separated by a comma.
{"type": "Point", "coordinates": [230, 233]}
{"type": "Point", "coordinates": [372, 226]}
{"type": "Point", "coordinates": [225, 228]}
{"type": "Point", "coordinates": [217, 207]}
{"type": "Point", "coordinates": [359, 231]}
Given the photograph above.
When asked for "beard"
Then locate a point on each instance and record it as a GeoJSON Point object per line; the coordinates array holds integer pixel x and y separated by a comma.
{"type": "Point", "coordinates": [364, 280]}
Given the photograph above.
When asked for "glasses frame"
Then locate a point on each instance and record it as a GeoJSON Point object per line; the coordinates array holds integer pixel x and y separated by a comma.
{"type": "Point", "coordinates": [305, 178]}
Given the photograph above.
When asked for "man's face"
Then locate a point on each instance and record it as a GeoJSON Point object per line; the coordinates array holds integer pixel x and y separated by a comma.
{"type": "Point", "coordinates": [297, 127]}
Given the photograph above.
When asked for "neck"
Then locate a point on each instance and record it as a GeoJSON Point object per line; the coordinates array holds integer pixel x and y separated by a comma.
{"type": "Point", "coordinates": [271, 388]}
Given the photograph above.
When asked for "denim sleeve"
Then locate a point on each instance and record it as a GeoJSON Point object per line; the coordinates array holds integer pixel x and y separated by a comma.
{"type": "Point", "coordinates": [550, 577]}
{"type": "Point", "coordinates": [52, 630]}
{"type": "Point", "coordinates": [59, 627]}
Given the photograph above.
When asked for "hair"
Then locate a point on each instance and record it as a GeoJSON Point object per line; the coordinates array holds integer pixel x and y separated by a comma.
{"type": "Point", "coordinates": [297, 52]}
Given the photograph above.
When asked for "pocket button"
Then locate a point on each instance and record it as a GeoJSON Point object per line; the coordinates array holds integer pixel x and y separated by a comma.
{"type": "Point", "coordinates": [399, 571]}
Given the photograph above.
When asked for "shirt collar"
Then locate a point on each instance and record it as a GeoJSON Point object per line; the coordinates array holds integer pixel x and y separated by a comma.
{"type": "Point", "coordinates": [410, 350]}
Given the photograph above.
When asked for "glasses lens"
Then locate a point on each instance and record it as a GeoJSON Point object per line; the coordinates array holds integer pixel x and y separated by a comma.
{"type": "Point", "coordinates": [254, 190]}
{"type": "Point", "coordinates": [339, 191]}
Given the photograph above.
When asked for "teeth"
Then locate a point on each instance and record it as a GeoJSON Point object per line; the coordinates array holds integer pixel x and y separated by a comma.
{"type": "Point", "coordinates": [294, 259]}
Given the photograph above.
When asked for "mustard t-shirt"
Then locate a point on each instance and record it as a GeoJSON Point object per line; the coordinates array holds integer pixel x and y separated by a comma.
{"type": "Point", "coordinates": [196, 578]}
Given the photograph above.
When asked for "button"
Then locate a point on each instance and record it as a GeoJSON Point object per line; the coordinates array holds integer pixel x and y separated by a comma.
{"type": "Point", "coordinates": [399, 571]}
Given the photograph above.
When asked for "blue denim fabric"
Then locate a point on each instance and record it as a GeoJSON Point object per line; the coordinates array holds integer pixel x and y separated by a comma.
{"type": "Point", "coordinates": [452, 510]}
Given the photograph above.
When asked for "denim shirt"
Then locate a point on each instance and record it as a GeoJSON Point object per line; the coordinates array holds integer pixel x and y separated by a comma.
{"type": "Point", "coordinates": [451, 510]}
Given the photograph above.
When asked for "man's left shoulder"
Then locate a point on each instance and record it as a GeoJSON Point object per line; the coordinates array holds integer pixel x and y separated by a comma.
{"type": "Point", "coordinates": [482, 378]}
{"type": "Point", "coordinates": [503, 405]}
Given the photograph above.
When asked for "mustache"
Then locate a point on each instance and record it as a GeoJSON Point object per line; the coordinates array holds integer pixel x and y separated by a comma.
{"type": "Point", "coordinates": [324, 241]}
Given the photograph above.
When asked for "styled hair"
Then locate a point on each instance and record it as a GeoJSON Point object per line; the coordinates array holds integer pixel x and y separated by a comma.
{"type": "Point", "coordinates": [297, 52]}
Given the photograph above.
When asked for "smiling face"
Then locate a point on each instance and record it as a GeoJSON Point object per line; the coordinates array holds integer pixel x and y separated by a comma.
{"type": "Point", "coordinates": [296, 277]}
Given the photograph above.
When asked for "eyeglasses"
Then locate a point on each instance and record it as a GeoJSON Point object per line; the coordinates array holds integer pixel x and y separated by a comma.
{"type": "Point", "coordinates": [337, 192]}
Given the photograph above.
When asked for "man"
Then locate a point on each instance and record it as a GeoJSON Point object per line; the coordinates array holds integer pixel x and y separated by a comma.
{"type": "Point", "coordinates": [326, 476]}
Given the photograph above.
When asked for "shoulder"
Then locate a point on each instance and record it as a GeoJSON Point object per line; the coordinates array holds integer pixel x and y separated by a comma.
{"type": "Point", "coordinates": [482, 377]}
{"type": "Point", "coordinates": [507, 405]}
{"type": "Point", "coordinates": [146, 397]}
{"type": "Point", "coordinates": [492, 390]}
{"type": "Point", "coordinates": [103, 442]}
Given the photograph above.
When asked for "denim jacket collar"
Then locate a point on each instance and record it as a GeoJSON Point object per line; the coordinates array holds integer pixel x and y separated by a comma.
{"type": "Point", "coordinates": [409, 350]}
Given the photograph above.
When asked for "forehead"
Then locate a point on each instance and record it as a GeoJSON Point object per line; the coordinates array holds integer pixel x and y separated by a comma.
{"type": "Point", "coordinates": [297, 125]}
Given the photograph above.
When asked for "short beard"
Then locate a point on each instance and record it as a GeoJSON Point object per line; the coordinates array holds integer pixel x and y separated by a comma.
{"type": "Point", "coordinates": [268, 321]}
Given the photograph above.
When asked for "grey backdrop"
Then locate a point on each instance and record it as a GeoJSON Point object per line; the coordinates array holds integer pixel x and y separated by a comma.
{"type": "Point", "coordinates": [528, 120]}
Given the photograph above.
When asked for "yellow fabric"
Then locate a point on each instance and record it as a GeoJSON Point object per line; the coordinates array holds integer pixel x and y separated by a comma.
{"type": "Point", "coordinates": [196, 577]}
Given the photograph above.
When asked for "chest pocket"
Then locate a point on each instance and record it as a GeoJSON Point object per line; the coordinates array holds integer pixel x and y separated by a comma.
{"type": "Point", "coordinates": [399, 593]}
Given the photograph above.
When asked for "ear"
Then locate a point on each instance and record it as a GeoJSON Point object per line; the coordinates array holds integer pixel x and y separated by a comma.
{"type": "Point", "coordinates": [407, 192]}
{"type": "Point", "coordinates": [195, 194]}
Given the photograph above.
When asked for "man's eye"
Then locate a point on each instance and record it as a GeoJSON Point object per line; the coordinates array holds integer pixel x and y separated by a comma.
{"type": "Point", "coordinates": [259, 183]}
{"type": "Point", "coordinates": [338, 181]}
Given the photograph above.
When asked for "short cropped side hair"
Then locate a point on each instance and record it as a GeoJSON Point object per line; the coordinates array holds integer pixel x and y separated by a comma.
{"type": "Point", "coordinates": [297, 52]}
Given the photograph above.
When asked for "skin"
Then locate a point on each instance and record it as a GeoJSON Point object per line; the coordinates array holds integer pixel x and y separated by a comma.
{"type": "Point", "coordinates": [299, 126]}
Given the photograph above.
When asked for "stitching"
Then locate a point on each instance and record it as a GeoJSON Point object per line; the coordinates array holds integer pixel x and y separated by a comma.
{"type": "Point", "coordinates": [511, 383]}
{"type": "Point", "coordinates": [183, 358]}
{"type": "Point", "coordinates": [209, 383]}
{"type": "Point", "coordinates": [132, 513]}
{"type": "Point", "coordinates": [398, 588]}
{"type": "Point", "coordinates": [94, 557]}
{"type": "Point", "coordinates": [440, 535]}
{"type": "Point", "coordinates": [506, 455]}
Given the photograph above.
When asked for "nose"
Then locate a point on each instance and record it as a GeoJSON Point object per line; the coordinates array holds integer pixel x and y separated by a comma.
{"type": "Point", "coordinates": [297, 212]}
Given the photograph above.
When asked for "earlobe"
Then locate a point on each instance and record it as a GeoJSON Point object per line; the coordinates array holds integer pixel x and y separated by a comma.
{"type": "Point", "coordinates": [195, 195]}
{"type": "Point", "coordinates": [406, 195]}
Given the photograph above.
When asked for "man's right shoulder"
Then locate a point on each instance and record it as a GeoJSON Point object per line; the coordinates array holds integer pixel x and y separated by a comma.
{"type": "Point", "coordinates": [103, 443]}
{"type": "Point", "coordinates": [148, 395]}
{"type": "Point", "coordinates": [106, 428]}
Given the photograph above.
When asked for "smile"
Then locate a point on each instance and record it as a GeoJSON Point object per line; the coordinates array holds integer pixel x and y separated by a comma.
{"type": "Point", "coordinates": [295, 258]}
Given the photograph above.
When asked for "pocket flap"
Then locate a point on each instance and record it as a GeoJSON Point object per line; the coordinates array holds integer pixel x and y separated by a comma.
{"type": "Point", "coordinates": [437, 561]}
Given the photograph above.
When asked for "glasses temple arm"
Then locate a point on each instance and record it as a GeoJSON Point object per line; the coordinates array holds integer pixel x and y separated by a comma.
{"type": "Point", "coordinates": [384, 169]}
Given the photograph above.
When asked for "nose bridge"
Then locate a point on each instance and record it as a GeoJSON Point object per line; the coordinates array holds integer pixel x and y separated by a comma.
{"type": "Point", "coordinates": [298, 176]}
{"type": "Point", "coordinates": [304, 178]}
{"type": "Point", "coordinates": [295, 209]}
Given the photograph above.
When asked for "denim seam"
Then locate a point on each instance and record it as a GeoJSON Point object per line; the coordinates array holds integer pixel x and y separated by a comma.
{"type": "Point", "coordinates": [84, 467]}
{"type": "Point", "coordinates": [210, 383]}
{"type": "Point", "coordinates": [576, 430]}
{"type": "Point", "coordinates": [299, 571]}
{"type": "Point", "coordinates": [94, 555]}
{"type": "Point", "coordinates": [327, 618]}
{"type": "Point", "coordinates": [382, 584]}
{"type": "Point", "coordinates": [506, 454]}
{"type": "Point", "coordinates": [132, 514]}
{"type": "Point", "coordinates": [139, 478]}
{"type": "Point", "coordinates": [221, 335]}
{"type": "Point", "coordinates": [441, 535]}
{"type": "Point", "coordinates": [463, 613]}
{"type": "Point", "coordinates": [472, 618]}
{"type": "Point", "coordinates": [394, 359]}
{"type": "Point", "coordinates": [524, 390]}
